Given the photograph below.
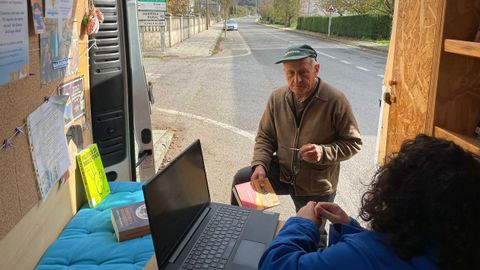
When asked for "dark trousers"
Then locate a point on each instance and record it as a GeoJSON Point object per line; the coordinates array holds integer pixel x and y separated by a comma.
{"type": "Point", "coordinates": [281, 188]}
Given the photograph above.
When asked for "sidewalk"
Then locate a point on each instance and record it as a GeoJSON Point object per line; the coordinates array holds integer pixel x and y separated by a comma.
{"type": "Point", "coordinates": [199, 45]}
{"type": "Point", "coordinates": [349, 41]}
{"type": "Point", "coordinates": [345, 40]}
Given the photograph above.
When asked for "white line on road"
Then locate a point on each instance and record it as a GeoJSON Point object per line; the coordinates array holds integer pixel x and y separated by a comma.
{"type": "Point", "coordinates": [327, 55]}
{"type": "Point", "coordinates": [362, 68]}
{"type": "Point", "coordinates": [155, 74]}
{"type": "Point", "coordinates": [345, 62]}
{"type": "Point", "coordinates": [380, 75]}
{"type": "Point", "coordinates": [233, 129]}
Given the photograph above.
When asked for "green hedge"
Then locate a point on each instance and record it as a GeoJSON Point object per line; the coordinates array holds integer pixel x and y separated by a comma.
{"type": "Point", "coordinates": [359, 26]}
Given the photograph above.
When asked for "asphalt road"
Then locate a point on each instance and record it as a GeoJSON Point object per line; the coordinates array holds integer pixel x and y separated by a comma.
{"type": "Point", "coordinates": [220, 100]}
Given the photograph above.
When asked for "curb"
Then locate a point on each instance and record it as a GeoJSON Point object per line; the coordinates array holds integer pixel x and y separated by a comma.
{"type": "Point", "coordinates": [376, 48]}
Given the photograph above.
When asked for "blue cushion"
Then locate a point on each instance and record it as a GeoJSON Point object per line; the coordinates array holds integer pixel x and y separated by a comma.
{"type": "Point", "coordinates": [88, 241]}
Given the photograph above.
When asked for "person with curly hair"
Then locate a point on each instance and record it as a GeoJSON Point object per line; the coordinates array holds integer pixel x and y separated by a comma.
{"type": "Point", "coordinates": [422, 210]}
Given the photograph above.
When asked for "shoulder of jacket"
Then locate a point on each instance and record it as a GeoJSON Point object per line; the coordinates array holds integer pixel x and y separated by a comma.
{"type": "Point", "coordinates": [329, 92]}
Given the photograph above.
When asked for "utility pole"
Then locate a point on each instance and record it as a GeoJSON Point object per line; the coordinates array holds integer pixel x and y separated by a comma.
{"type": "Point", "coordinates": [206, 13]}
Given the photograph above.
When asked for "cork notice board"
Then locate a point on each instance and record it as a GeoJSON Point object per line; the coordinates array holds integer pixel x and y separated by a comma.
{"type": "Point", "coordinates": [18, 185]}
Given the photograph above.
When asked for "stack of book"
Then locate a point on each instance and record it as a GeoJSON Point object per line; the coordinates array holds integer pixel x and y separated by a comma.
{"type": "Point", "coordinates": [254, 195]}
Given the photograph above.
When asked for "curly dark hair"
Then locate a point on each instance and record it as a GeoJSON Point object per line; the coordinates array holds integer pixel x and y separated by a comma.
{"type": "Point", "coordinates": [425, 200]}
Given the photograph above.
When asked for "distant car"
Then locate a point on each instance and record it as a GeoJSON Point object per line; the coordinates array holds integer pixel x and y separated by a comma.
{"type": "Point", "coordinates": [230, 25]}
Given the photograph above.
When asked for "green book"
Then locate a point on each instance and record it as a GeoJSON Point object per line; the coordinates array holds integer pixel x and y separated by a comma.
{"type": "Point", "coordinates": [93, 174]}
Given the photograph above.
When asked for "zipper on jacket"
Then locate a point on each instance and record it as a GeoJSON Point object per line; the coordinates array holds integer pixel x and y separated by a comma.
{"type": "Point", "coordinates": [297, 132]}
{"type": "Point", "coordinates": [297, 135]}
{"type": "Point", "coordinates": [296, 155]}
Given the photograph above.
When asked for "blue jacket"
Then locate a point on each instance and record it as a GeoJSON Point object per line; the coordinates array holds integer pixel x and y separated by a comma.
{"type": "Point", "coordinates": [296, 247]}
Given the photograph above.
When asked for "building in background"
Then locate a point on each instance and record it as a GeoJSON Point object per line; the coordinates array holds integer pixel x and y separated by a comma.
{"type": "Point", "coordinates": [312, 8]}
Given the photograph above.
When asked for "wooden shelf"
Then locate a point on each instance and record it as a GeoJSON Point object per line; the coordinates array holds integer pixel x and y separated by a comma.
{"type": "Point", "coordinates": [470, 144]}
{"type": "Point", "coordinates": [468, 48]}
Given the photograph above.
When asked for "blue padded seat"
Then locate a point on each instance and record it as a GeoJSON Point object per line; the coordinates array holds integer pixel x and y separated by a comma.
{"type": "Point", "coordinates": [88, 241]}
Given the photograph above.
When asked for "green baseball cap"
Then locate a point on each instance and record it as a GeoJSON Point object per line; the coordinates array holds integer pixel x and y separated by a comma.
{"type": "Point", "coordinates": [297, 52]}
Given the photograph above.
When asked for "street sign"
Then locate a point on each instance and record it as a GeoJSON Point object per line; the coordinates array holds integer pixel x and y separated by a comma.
{"type": "Point", "coordinates": [144, 15]}
{"type": "Point", "coordinates": [331, 9]}
{"type": "Point", "coordinates": [159, 5]}
{"type": "Point", "coordinates": [151, 23]}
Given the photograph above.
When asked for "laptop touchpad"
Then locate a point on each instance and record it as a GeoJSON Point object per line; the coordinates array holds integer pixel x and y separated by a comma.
{"type": "Point", "coordinates": [249, 253]}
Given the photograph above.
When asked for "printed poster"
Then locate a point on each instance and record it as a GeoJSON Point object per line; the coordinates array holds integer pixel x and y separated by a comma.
{"type": "Point", "coordinates": [58, 9]}
{"type": "Point", "coordinates": [37, 14]}
{"type": "Point", "coordinates": [75, 106]}
{"type": "Point", "coordinates": [48, 143]}
{"type": "Point", "coordinates": [14, 41]}
{"type": "Point", "coordinates": [59, 49]}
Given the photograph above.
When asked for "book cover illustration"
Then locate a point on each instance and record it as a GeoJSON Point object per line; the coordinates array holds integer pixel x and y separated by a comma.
{"type": "Point", "coordinates": [252, 195]}
{"type": "Point", "coordinates": [130, 221]}
{"type": "Point", "coordinates": [93, 175]}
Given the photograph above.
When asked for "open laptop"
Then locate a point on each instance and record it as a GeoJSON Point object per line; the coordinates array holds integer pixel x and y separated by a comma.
{"type": "Point", "coordinates": [191, 232]}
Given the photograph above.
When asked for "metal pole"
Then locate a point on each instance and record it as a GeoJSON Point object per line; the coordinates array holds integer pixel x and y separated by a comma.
{"type": "Point", "coordinates": [329, 22]}
{"type": "Point", "coordinates": [162, 38]}
{"type": "Point", "coordinates": [206, 13]}
{"type": "Point", "coordinates": [142, 31]}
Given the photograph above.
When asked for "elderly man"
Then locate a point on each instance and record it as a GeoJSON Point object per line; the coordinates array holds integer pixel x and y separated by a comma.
{"type": "Point", "coordinates": [307, 129]}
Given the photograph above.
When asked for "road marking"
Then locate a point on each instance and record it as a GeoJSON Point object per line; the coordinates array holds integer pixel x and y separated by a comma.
{"type": "Point", "coordinates": [229, 56]}
{"type": "Point", "coordinates": [362, 68]}
{"type": "Point", "coordinates": [233, 129]}
{"type": "Point", "coordinates": [327, 55]}
{"type": "Point", "coordinates": [345, 62]}
{"type": "Point", "coordinates": [380, 75]}
{"type": "Point", "coordinates": [152, 74]}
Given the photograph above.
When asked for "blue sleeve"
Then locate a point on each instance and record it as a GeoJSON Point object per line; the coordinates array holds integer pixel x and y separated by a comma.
{"type": "Point", "coordinates": [296, 247]}
{"type": "Point", "coordinates": [337, 230]}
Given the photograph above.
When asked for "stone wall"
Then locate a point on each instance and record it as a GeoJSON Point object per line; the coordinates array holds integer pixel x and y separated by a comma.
{"type": "Point", "coordinates": [177, 29]}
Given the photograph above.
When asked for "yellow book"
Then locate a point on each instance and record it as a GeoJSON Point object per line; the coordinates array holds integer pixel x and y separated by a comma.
{"type": "Point", "coordinates": [93, 175]}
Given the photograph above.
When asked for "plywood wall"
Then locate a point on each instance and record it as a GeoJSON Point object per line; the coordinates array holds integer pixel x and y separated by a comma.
{"type": "Point", "coordinates": [416, 55]}
{"type": "Point", "coordinates": [18, 187]}
{"type": "Point", "coordinates": [458, 95]}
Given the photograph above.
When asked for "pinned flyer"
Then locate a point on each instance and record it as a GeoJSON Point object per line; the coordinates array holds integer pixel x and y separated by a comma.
{"type": "Point", "coordinates": [37, 14]}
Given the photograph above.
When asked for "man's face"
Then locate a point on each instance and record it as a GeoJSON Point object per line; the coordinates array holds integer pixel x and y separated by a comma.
{"type": "Point", "coordinates": [300, 75]}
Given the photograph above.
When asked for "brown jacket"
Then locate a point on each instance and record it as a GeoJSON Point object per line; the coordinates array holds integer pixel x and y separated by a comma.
{"type": "Point", "coordinates": [327, 121]}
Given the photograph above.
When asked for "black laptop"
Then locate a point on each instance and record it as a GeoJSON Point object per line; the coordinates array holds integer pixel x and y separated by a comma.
{"type": "Point", "coordinates": [191, 232]}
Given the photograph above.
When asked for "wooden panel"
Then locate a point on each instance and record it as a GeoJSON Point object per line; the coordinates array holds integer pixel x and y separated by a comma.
{"type": "Point", "coordinates": [458, 94]}
{"type": "Point", "coordinates": [462, 19]}
{"type": "Point", "coordinates": [28, 225]}
{"type": "Point", "coordinates": [468, 48]}
{"type": "Point", "coordinates": [417, 47]}
{"type": "Point", "coordinates": [468, 143]}
{"type": "Point", "coordinates": [381, 148]}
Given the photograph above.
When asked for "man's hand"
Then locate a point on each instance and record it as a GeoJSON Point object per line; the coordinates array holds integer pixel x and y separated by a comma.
{"type": "Point", "coordinates": [311, 153]}
{"type": "Point", "coordinates": [332, 212]}
{"type": "Point", "coordinates": [259, 174]}
{"type": "Point", "coordinates": [308, 212]}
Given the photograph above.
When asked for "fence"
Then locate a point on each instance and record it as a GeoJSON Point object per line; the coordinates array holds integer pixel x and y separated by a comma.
{"type": "Point", "coordinates": [177, 29]}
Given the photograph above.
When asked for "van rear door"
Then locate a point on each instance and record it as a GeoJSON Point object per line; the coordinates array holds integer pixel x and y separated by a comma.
{"type": "Point", "coordinates": [119, 96]}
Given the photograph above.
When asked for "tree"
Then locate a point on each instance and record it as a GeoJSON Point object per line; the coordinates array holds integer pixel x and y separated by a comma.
{"type": "Point", "coordinates": [266, 9]}
{"type": "Point", "coordinates": [286, 11]}
{"type": "Point", "coordinates": [225, 6]}
{"type": "Point", "coordinates": [178, 6]}
{"type": "Point", "coordinates": [360, 6]}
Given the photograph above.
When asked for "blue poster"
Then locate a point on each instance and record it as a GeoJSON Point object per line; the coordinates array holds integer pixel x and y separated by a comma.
{"type": "Point", "coordinates": [14, 41]}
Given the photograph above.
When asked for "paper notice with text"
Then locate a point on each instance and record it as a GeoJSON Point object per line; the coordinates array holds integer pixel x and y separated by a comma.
{"type": "Point", "coordinates": [48, 143]}
{"type": "Point", "coordinates": [13, 41]}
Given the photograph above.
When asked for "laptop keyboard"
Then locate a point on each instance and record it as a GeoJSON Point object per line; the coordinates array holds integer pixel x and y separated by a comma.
{"type": "Point", "coordinates": [216, 243]}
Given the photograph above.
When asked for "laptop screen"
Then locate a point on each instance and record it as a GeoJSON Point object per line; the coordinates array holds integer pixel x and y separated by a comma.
{"type": "Point", "coordinates": [175, 197]}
